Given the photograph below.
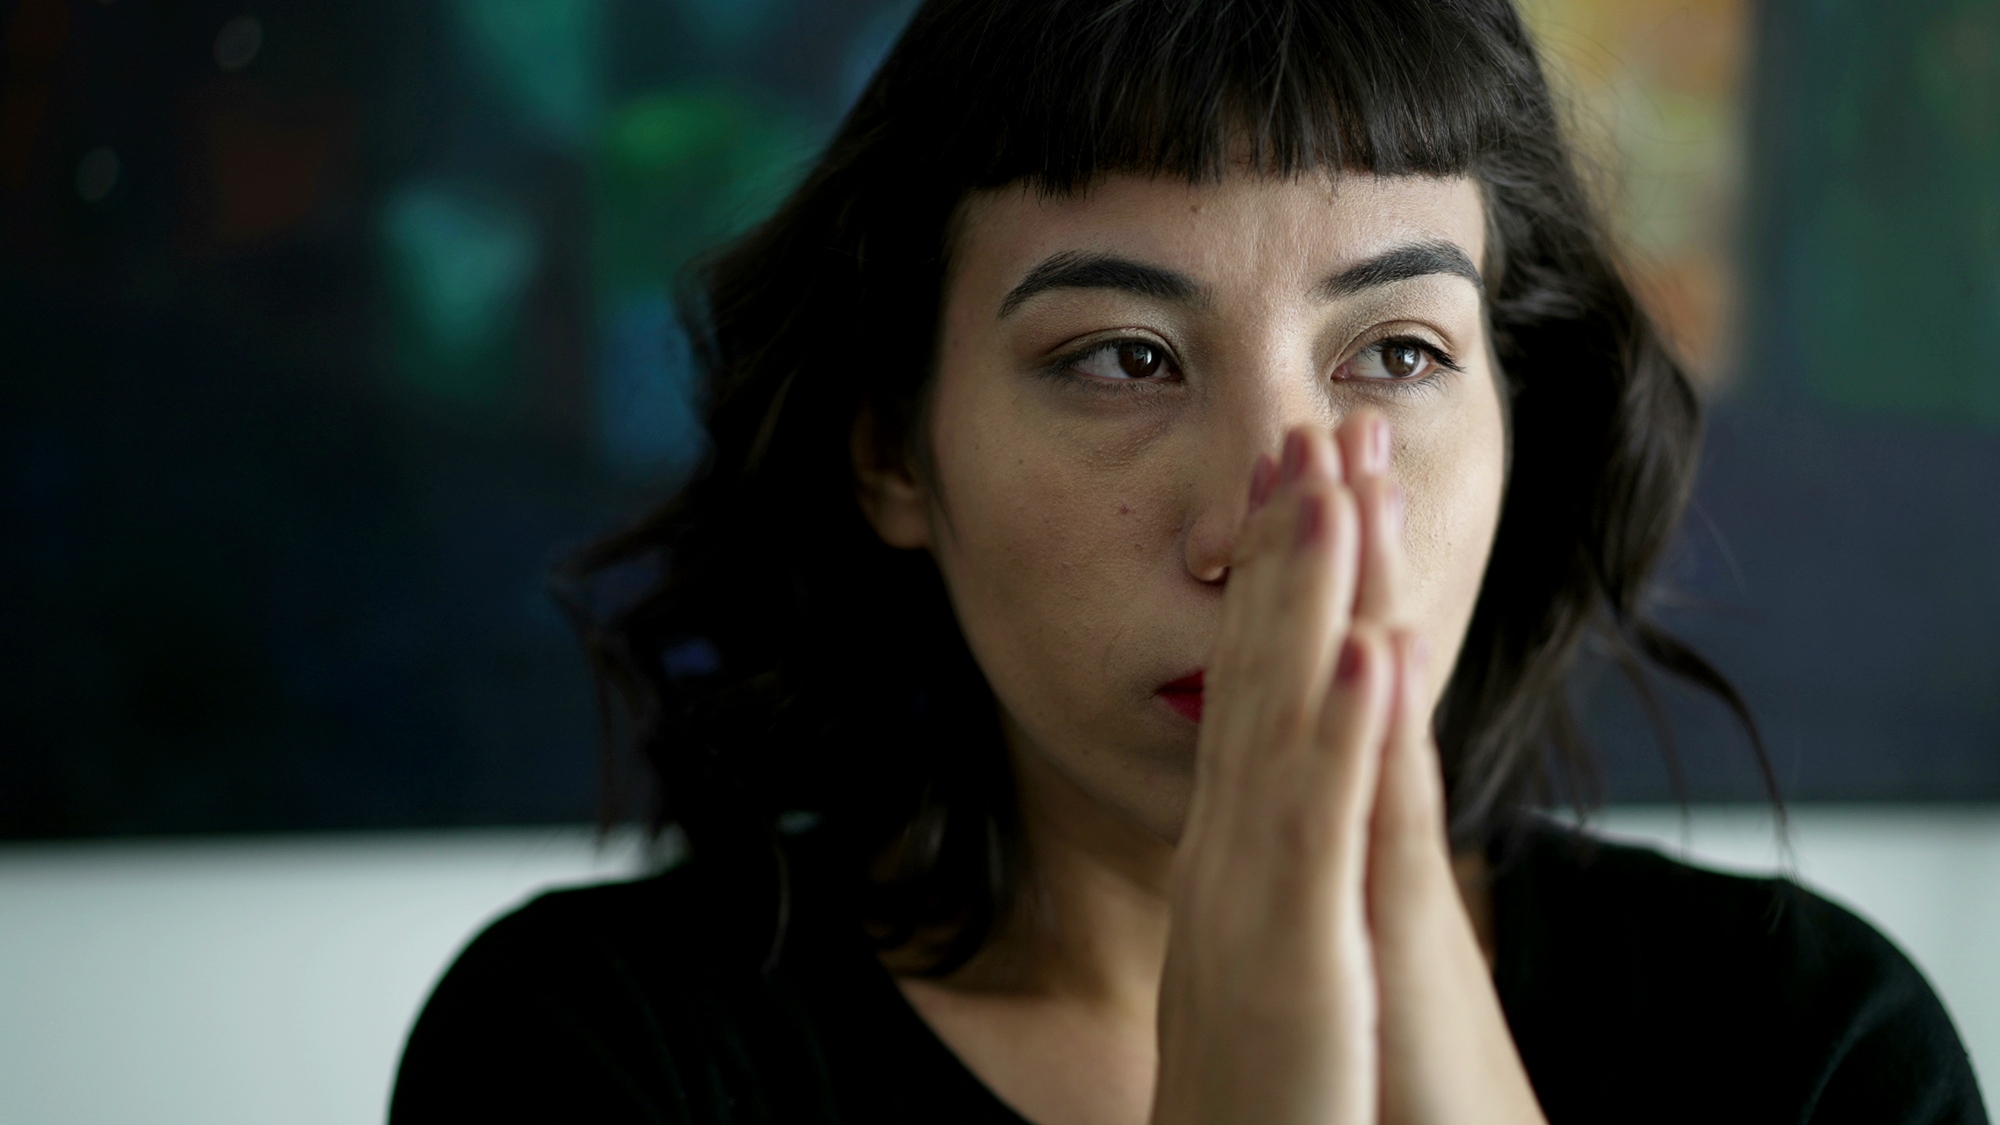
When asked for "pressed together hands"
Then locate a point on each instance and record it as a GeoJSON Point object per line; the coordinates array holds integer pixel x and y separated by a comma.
{"type": "Point", "coordinates": [1322, 967]}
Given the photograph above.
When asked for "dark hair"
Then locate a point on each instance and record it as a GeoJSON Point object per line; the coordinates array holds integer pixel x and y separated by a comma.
{"type": "Point", "coordinates": [785, 660]}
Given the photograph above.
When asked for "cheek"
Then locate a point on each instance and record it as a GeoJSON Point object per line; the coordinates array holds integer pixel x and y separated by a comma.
{"type": "Point", "coordinates": [1454, 477]}
{"type": "Point", "coordinates": [1040, 547]}
{"type": "Point", "coordinates": [1002, 503]}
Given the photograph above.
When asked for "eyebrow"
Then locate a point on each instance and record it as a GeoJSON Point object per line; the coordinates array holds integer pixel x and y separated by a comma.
{"type": "Point", "coordinates": [1074, 270]}
{"type": "Point", "coordinates": [1416, 259]}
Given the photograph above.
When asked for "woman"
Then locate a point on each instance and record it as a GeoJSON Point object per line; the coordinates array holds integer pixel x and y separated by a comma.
{"type": "Point", "coordinates": [1148, 424]}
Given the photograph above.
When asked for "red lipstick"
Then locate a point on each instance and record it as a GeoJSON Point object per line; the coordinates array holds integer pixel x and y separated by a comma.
{"type": "Point", "coordinates": [1184, 696]}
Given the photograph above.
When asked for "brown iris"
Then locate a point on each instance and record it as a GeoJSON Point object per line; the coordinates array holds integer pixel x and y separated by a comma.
{"type": "Point", "coordinates": [1401, 360]}
{"type": "Point", "coordinates": [1138, 360]}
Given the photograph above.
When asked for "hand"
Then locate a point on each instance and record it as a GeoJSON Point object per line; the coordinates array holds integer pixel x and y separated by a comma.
{"type": "Point", "coordinates": [1447, 1055]}
{"type": "Point", "coordinates": [1268, 1003]}
{"type": "Point", "coordinates": [1321, 967]}
{"type": "Point", "coordinates": [1447, 1051]}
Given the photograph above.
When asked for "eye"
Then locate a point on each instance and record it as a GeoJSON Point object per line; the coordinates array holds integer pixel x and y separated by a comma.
{"type": "Point", "coordinates": [1398, 359]}
{"type": "Point", "coordinates": [1123, 360]}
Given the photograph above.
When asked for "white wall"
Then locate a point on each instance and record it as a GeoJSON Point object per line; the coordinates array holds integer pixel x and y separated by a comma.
{"type": "Point", "coordinates": [259, 981]}
{"type": "Point", "coordinates": [271, 980]}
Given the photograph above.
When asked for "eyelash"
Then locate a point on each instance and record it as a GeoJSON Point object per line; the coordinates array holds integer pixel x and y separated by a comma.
{"type": "Point", "coordinates": [1065, 367]}
{"type": "Point", "coordinates": [1441, 363]}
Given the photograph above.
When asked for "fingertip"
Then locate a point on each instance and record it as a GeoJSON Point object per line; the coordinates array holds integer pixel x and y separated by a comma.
{"type": "Point", "coordinates": [1328, 515]}
{"type": "Point", "coordinates": [1363, 659]}
{"type": "Point", "coordinates": [1361, 714]}
{"type": "Point", "coordinates": [1325, 515]}
{"type": "Point", "coordinates": [1292, 458]}
{"type": "Point", "coordinates": [1348, 670]}
{"type": "Point", "coordinates": [1363, 443]}
{"type": "Point", "coordinates": [1379, 441]}
{"type": "Point", "coordinates": [1263, 476]}
{"type": "Point", "coordinates": [1331, 459]}
{"type": "Point", "coordinates": [1309, 451]}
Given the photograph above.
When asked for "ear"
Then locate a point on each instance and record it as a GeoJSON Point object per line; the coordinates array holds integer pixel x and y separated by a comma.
{"type": "Point", "coordinates": [897, 506]}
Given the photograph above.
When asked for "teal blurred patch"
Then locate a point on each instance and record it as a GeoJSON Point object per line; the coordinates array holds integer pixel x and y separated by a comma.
{"type": "Point", "coordinates": [648, 416]}
{"type": "Point", "coordinates": [546, 58]}
{"type": "Point", "coordinates": [731, 21]}
{"type": "Point", "coordinates": [459, 266]}
{"type": "Point", "coordinates": [1888, 264]}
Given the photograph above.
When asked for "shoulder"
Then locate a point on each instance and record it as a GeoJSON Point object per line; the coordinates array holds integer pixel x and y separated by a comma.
{"type": "Point", "coordinates": [653, 917]}
{"type": "Point", "coordinates": [1623, 968]}
{"type": "Point", "coordinates": [620, 1002]}
{"type": "Point", "coordinates": [1619, 900]}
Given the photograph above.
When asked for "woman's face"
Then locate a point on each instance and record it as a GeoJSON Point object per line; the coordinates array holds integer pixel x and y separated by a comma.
{"type": "Point", "coordinates": [1110, 366]}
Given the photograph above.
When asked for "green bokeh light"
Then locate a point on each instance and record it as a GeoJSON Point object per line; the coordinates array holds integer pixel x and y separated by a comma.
{"type": "Point", "coordinates": [461, 265]}
{"type": "Point", "coordinates": [681, 171]}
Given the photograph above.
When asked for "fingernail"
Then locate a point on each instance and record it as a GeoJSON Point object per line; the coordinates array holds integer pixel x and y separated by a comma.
{"type": "Point", "coordinates": [1349, 668]}
{"type": "Point", "coordinates": [1420, 653]}
{"type": "Point", "coordinates": [1397, 509]}
{"type": "Point", "coordinates": [1312, 517]}
{"type": "Point", "coordinates": [1378, 445]}
{"type": "Point", "coordinates": [1262, 476]}
{"type": "Point", "coordinates": [1294, 458]}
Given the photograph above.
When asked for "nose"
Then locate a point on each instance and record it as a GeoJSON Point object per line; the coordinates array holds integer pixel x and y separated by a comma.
{"type": "Point", "coordinates": [1234, 435]}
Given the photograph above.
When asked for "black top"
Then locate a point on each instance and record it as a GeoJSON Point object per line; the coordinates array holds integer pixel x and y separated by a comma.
{"type": "Point", "coordinates": [1638, 989]}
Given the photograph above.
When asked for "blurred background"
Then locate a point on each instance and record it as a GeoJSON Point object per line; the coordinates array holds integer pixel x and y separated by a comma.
{"type": "Point", "coordinates": [325, 329]}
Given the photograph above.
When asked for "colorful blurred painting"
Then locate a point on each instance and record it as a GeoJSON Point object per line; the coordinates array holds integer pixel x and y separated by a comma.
{"type": "Point", "coordinates": [1809, 199]}
{"type": "Point", "coordinates": [1653, 91]}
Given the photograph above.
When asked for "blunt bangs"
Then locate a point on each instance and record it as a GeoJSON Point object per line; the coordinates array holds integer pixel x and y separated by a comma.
{"type": "Point", "coordinates": [1192, 89]}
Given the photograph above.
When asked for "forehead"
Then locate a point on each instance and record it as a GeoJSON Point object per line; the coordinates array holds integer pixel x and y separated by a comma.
{"type": "Point", "coordinates": [1246, 231]}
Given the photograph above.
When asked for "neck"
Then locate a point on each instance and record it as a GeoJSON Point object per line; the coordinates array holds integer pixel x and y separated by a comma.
{"type": "Point", "coordinates": [1090, 925]}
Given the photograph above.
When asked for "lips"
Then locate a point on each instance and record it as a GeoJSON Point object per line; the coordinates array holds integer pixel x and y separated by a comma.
{"type": "Point", "coordinates": [1184, 696]}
